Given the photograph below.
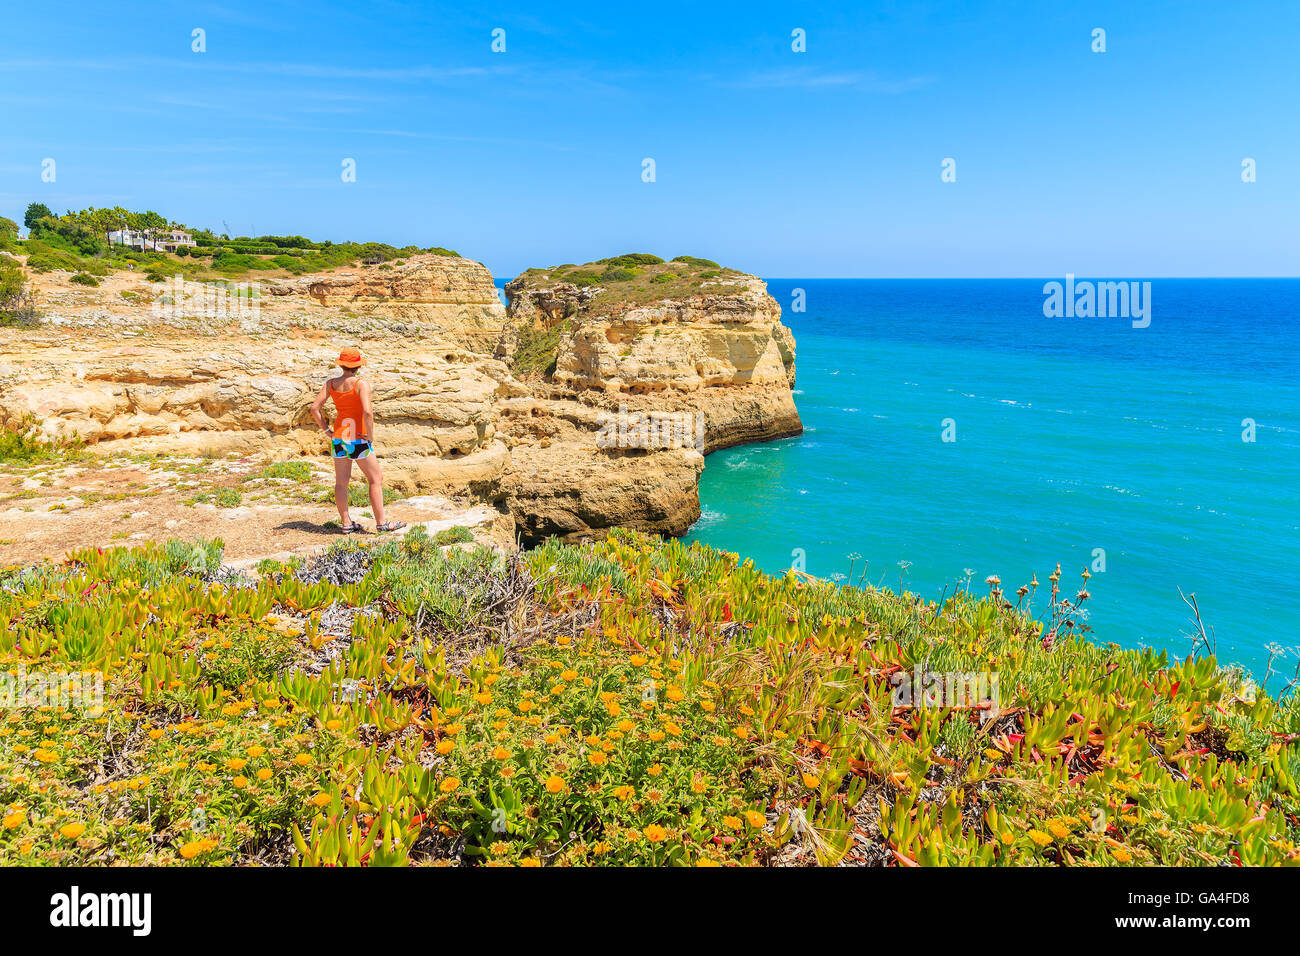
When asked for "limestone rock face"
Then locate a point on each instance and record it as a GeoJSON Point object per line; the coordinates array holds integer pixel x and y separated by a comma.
{"type": "Point", "coordinates": [730, 338]}
{"type": "Point", "coordinates": [134, 367]}
{"type": "Point", "coordinates": [452, 297]}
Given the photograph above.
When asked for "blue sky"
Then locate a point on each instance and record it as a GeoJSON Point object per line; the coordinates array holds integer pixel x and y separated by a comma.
{"type": "Point", "coordinates": [825, 163]}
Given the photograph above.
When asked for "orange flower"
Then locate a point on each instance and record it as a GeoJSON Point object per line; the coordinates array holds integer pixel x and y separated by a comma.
{"type": "Point", "coordinates": [597, 758]}
{"type": "Point", "coordinates": [70, 831]}
{"type": "Point", "coordinates": [755, 818]}
{"type": "Point", "coordinates": [654, 833]}
{"type": "Point", "coordinates": [624, 792]}
{"type": "Point", "coordinates": [554, 784]}
{"type": "Point", "coordinates": [448, 785]}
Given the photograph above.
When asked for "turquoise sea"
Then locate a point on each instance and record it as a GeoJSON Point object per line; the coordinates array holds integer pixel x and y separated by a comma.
{"type": "Point", "coordinates": [1072, 435]}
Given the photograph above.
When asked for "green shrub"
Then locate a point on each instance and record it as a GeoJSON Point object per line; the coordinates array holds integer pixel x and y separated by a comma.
{"type": "Point", "coordinates": [16, 306]}
{"type": "Point", "coordinates": [697, 262]}
{"type": "Point", "coordinates": [538, 350]}
{"type": "Point", "coordinates": [632, 259]}
{"type": "Point", "coordinates": [616, 274]}
{"type": "Point", "coordinates": [293, 470]}
{"type": "Point", "coordinates": [85, 278]}
{"type": "Point", "coordinates": [456, 534]}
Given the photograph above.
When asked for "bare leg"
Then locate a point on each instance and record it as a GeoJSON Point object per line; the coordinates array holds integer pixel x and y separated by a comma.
{"type": "Point", "coordinates": [342, 475]}
{"type": "Point", "coordinates": [375, 479]}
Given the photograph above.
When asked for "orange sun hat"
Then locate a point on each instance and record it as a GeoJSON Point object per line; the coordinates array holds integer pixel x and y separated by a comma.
{"type": "Point", "coordinates": [351, 358]}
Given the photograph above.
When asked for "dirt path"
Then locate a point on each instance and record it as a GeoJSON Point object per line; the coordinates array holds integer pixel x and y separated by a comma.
{"type": "Point", "coordinates": [257, 508]}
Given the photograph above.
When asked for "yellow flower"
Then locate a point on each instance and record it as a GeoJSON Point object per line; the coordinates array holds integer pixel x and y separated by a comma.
{"type": "Point", "coordinates": [192, 849]}
{"type": "Point", "coordinates": [45, 756]}
{"type": "Point", "coordinates": [705, 861]}
{"type": "Point", "coordinates": [239, 783]}
{"type": "Point", "coordinates": [1039, 837]}
{"type": "Point", "coordinates": [597, 758]}
{"type": "Point", "coordinates": [334, 724]}
{"type": "Point", "coordinates": [564, 640]}
{"type": "Point", "coordinates": [655, 769]}
{"type": "Point", "coordinates": [530, 861]}
{"type": "Point", "coordinates": [15, 819]}
{"type": "Point", "coordinates": [624, 792]}
{"type": "Point", "coordinates": [445, 746]}
{"type": "Point", "coordinates": [734, 823]}
{"type": "Point", "coordinates": [1060, 831]}
{"type": "Point", "coordinates": [637, 660]}
{"type": "Point", "coordinates": [654, 833]}
{"type": "Point", "coordinates": [448, 785]}
{"type": "Point", "coordinates": [321, 799]}
{"type": "Point", "coordinates": [236, 763]}
{"type": "Point", "coordinates": [755, 818]}
{"type": "Point", "coordinates": [569, 675]}
{"type": "Point", "coordinates": [1121, 855]}
{"type": "Point", "coordinates": [708, 707]}
{"type": "Point", "coordinates": [483, 698]}
{"type": "Point", "coordinates": [70, 831]}
{"type": "Point", "coordinates": [155, 734]}
{"type": "Point", "coordinates": [500, 753]}
{"type": "Point", "coordinates": [626, 726]}
{"type": "Point", "coordinates": [675, 693]}
{"type": "Point", "coordinates": [554, 784]}
{"type": "Point", "coordinates": [656, 735]}
{"type": "Point", "coordinates": [698, 785]}
{"type": "Point", "coordinates": [264, 774]}
{"type": "Point", "coordinates": [811, 782]}
{"type": "Point", "coordinates": [302, 759]}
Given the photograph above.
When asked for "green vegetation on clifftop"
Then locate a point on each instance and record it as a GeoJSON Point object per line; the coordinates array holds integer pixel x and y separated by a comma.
{"type": "Point", "coordinates": [627, 702]}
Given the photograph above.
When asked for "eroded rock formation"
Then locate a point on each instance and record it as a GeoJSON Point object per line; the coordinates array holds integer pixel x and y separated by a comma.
{"type": "Point", "coordinates": [133, 367]}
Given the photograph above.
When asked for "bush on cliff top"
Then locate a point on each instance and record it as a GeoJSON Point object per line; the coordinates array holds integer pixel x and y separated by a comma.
{"type": "Point", "coordinates": [628, 702]}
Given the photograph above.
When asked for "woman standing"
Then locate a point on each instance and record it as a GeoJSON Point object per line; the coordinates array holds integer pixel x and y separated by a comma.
{"type": "Point", "coordinates": [352, 439]}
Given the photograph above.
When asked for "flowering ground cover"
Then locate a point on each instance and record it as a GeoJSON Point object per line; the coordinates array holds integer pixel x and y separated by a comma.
{"type": "Point", "coordinates": [629, 702]}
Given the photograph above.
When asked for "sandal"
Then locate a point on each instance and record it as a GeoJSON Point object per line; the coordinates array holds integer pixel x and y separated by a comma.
{"type": "Point", "coordinates": [390, 526]}
{"type": "Point", "coordinates": [350, 528]}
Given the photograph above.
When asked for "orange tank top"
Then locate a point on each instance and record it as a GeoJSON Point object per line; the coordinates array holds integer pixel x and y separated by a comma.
{"type": "Point", "coordinates": [347, 405]}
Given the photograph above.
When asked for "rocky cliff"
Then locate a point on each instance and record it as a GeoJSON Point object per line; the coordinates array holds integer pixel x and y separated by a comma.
{"type": "Point", "coordinates": [132, 367]}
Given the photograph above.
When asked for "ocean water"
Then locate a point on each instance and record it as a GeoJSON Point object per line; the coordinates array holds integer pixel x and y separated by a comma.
{"type": "Point", "coordinates": [1077, 439]}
